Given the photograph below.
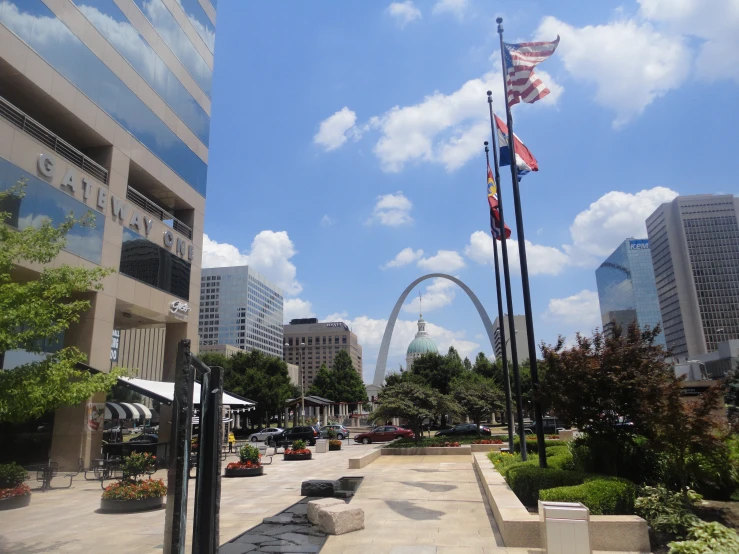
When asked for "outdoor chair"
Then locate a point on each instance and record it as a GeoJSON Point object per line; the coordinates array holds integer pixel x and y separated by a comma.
{"type": "Point", "coordinates": [45, 473]}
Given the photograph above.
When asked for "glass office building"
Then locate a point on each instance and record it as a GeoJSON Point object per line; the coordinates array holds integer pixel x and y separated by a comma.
{"type": "Point", "coordinates": [626, 288]}
{"type": "Point", "coordinates": [105, 113]}
{"type": "Point", "coordinates": [240, 307]}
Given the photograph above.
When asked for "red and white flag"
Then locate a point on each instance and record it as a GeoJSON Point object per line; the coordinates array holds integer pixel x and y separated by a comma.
{"type": "Point", "coordinates": [520, 61]}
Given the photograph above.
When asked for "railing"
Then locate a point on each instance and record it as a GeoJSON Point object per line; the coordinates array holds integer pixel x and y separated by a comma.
{"type": "Point", "coordinates": [164, 216]}
{"type": "Point", "coordinates": [15, 116]}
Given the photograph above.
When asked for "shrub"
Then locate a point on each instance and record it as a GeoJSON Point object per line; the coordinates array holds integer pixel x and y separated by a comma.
{"type": "Point", "coordinates": [298, 445]}
{"type": "Point", "coordinates": [248, 453]}
{"type": "Point", "coordinates": [135, 490]}
{"type": "Point", "coordinates": [12, 475]}
{"type": "Point", "coordinates": [138, 463]}
{"type": "Point", "coordinates": [527, 480]}
{"type": "Point", "coordinates": [331, 433]}
{"type": "Point", "coordinates": [532, 446]}
{"type": "Point", "coordinates": [629, 457]}
{"type": "Point", "coordinates": [336, 443]}
{"type": "Point", "coordinates": [602, 496]}
{"type": "Point", "coordinates": [707, 538]}
{"type": "Point", "coordinates": [501, 460]}
{"type": "Point", "coordinates": [560, 457]}
{"type": "Point", "coordinates": [667, 511]}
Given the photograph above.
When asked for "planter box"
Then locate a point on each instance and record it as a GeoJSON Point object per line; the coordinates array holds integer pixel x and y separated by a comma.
{"type": "Point", "coordinates": [129, 506]}
{"type": "Point", "coordinates": [297, 457]}
{"type": "Point", "coordinates": [428, 451]}
{"type": "Point", "coordinates": [331, 447]}
{"type": "Point", "coordinates": [15, 502]}
{"type": "Point", "coordinates": [246, 472]}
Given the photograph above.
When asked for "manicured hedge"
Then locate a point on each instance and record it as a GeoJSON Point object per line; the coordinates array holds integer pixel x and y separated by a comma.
{"type": "Point", "coordinates": [527, 480]}
{"type": "Point", "coordinates": [532, 446]}
{"type": "Point", "coordinates": [560, 457]}
{"type": "Point", "coordinates": [603, 496]}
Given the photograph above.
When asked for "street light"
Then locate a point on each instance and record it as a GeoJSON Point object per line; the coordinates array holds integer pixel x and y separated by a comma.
{"type": "Point", "coordinates": [704, 373]}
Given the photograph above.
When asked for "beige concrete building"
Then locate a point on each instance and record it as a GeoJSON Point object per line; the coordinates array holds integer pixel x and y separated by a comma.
{"type": "Point", "coordinates": [308, 344]}
{"type": "Point", "coordinates": [522, 344]}
{"type": "Point", "coordinates": [107, 111]}
{"type": "Point", "coordinates": [223, 349]}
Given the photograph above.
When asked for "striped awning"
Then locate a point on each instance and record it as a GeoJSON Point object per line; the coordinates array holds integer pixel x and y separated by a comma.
{"type": "Point", "coordinates": [196, 420]}
{"type": "Point", "coordinates": [125, 410]}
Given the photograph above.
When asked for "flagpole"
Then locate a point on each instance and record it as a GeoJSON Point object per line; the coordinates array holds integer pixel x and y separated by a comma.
{"type": "Point", "coordinates": [509, 296]}
{"type": "Point", "coordinates": [524, 264]}
{"type": "Point", "coordinates": [501, 329]}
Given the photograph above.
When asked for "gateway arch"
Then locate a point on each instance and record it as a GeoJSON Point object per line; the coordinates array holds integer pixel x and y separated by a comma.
{"type": "Point", "coordinates": [385, 346]}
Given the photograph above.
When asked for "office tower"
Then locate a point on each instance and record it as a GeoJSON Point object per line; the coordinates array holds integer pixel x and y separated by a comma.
{"type": "Point", "coordinates": [522, 345]}
{"type": "Point", "coordinates": [310, 344]}
{"type": "Point", "coordinates": [240, 307]}
{"type": "Point", "coordinates": [626, 288]}
{"type": "Point", "coordinates": [695, 253]}
{"type": "Point", "coordinates": [104, 108]}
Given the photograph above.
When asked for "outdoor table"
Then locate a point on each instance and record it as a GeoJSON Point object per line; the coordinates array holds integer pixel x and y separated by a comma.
{"type": "Point", "coordinates": [46, 473]}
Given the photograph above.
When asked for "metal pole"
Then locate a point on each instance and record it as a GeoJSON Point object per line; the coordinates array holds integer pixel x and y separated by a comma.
{"type": "Point", "coordinates": [538, 416]}
{"type": "Point", "coordinates": [302, 390]}
{"type": "Point", "coordinates": [509, 295]}
{"type": "Point", "coordinates": [175, 523]}
{"type": "Point", "coordinates": [501, 328]}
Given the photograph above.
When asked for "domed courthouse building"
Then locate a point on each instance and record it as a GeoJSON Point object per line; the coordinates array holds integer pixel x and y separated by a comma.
{"type": "Point", "coordinates": [422, 344]}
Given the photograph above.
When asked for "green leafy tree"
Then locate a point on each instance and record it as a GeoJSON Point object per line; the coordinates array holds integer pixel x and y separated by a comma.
{"type": "Point", "coordinates": [35, 312]}
{"type": "Point", "coordinates": [438, 371]}
{"type": "Point", "coordinates": [488, 369]}
{"type": "Point", "coordinates": [323, 383]}
{"type": "Point", "coordinates": [467, 364]}
{"type": "Point", "coordinates": [342, 383]}
{"type": "Point", "coordinates": [215, 359]}
{"type": "Point", "coordinates": [476, 396]}
{"type": "Point", "coordinates": [414, 403]}
{"type": "Point", "coordinates": [732, 398]}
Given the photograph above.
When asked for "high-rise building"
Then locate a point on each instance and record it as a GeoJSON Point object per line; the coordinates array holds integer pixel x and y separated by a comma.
{"type": "Point", "coordinates": [105, 108]}
{"type": "Point", "coordinates": [626, 288]}
{"type": "Point", "coordinates": [309, 344]}
{"type": "Point", "coordinates": [695, 253]}
{"type": "Point", "coordinates": [240, 307]}
{"type": "Point", "coordinates": [522, 345]}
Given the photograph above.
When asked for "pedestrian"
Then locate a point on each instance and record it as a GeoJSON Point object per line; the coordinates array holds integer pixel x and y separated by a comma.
{"type": "Point", "coordinates": [231, 441]}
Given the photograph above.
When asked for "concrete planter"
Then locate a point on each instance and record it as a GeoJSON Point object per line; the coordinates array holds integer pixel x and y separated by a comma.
{"type": "Point", "coordinates": [428, 451]}
{"type": "Point", "coordinates": [297, 457]}
{"type": "Point", "coordinates": [131, 506]}
{"type": "Point", "coordinates": [15, 502]}
{"type": "Point", "coordinates": [332, 447]}
{"type": "Point", "coordinates": [246, 472]}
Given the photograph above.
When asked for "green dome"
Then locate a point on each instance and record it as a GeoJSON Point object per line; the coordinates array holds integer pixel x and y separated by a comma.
{"type": "Point", "coordinates": [422, 345]}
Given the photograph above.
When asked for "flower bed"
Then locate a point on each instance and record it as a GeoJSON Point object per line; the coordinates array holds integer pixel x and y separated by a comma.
{"type": "Point", "coordinates": [249, 464]}
{"type": "Point", "coordinates": [487, 441]}
{"type": "Point", "coordinates": [334, 444]}
{"type": "Point", "coordinates": [132, 494]}
{"type": "Point", "coordinates": [297, 451]}
{"type": "Point", "coordinates": [440, 441]}
{"type": "Point", "coordinates": [13, 492]}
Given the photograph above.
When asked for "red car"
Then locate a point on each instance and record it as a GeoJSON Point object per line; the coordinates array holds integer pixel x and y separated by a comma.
{"type": "Point", "coordinates": [384, 434]}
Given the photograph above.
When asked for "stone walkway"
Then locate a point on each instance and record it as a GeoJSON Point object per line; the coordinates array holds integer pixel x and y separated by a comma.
{"type": "Point", "coordinates": [66, 521]}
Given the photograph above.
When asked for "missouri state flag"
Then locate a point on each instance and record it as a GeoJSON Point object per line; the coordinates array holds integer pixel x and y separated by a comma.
{"type": "Point", "coordinates": [525, 160]}
{"type": "Point", "coordinates": [494, 214]}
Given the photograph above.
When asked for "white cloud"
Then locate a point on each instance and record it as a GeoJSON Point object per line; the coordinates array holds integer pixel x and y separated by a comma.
{"type": "Point", "coordinates": [369, 332]}
{"type": "Point", "coordinates": [392, 210]}
{"type": "Point", "coordinates": [270, 255]}
{"type": "Point", "coordinates": [608, 221]}
{"type": "Point", "coordinates": [455, 7]}
{"type": "Point", "coordinates": [404, 12]}
{"type": "Point", "coordinates": [629, 61]}
{"type": "Point", "coordinates": [326, 221]}
{"type": "Point", "coordinates": [404, 257]}
{"type": "Point", "coordinates": [445, 261]}
{"type": "Point", "coordinates": [580, 309]}
{"type": "Point", "coordinates": [714, 22]}
{"type": "Point", "coordinates": [332, 132]}
{"type": "Point", "coordinates": [542, 260]}
{"type": "Point", "coordinates": [440, 293]}
{"type": "Point", "coordinates": [294, 308]}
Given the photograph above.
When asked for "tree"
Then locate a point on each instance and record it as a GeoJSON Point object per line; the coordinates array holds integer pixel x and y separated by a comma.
{"type": "Point", "coordinates": [476, 396]}
{"type": "Point", "coordinates": [323, 383]}
{"type": "Point", "coordinates": [438, 371]}
{"type": "Point", "coordinates": [732, 398]}
{"type": "Point", "coordinates": [488, 369]}
{"type": "Point", "coordinates": [37, 311]}
{"type": "Point", "coordinates": [340, 384]}
{"type": "Point", "coordinates": [414, 403]}
{"type": "Point", "coordinates": [467, 364]}
{"type": "Point", "coordinates": [215, 359]}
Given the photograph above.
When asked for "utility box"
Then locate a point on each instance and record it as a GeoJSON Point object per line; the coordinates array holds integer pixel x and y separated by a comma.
{"type": "Point", "coordinates": [321, 446]}
{"type": "Point", "coordinates": [565, 527]}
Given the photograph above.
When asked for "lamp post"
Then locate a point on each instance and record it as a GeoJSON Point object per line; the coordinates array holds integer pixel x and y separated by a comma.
{"type": "Point", "coordinates": [302, 387]}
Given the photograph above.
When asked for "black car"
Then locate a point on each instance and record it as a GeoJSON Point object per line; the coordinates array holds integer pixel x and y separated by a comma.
{"type": "Point", "coordinates": [301, 432]}
{"type": "Point", "coordinates": [551, 426]}
{"type": "Point", "coordinates": [464, 429]}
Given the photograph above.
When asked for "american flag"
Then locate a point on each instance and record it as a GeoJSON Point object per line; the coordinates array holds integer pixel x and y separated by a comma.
{"type": "Point", "coordinates": [520, 61]}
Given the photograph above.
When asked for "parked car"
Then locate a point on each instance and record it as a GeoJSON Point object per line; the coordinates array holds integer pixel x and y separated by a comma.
{"type": "Point", "coordinates": [383, 434]}
{"type": "Point", "coordinates": [145, 439]}
{"type": "Point", "coordinates": [301, 432]}
{"type": "Point", "coordinates": [463, 429]}
{"type": "Point", "coordinates": [341, 431]}
{"type": "Point", "coordinates": [551, 426]}
{"type": "Point", "coordinates": [264, 433]}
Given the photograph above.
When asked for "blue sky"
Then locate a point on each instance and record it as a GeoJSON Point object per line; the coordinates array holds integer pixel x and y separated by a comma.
{"type": "Point", "coordinates": [346, 151]}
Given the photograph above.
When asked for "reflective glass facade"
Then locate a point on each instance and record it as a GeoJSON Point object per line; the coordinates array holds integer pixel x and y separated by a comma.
{"type": "Point", "coordinates": [241, 308]}
{"type": "Point", "coordinates": [627, 290]}
{"type": "Point", "coordinates": [202, 23]}
{"type": "Point", "coordinates": [174, 37]}
{"type": "Point", "coordinates": [38, 27]}
{"type": "Point", "coordinates": [41, 201]}
{"type": "Point", "coordinates": [115, 27]}
{"type": "Point", "coordinates": [144, 261]}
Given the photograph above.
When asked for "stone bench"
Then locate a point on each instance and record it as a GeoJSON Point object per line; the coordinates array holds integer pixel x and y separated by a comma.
{"type": "Point", "coordinates": [335, 517]}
